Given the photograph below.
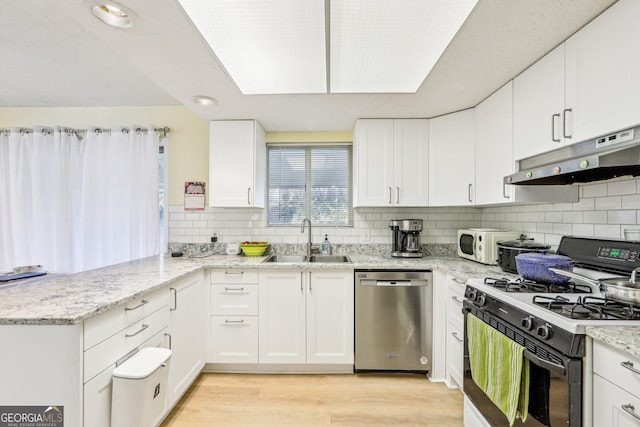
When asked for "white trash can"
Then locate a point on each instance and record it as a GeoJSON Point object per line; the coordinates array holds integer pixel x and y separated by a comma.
{"type": "Point", "coordinates": [138, 397]}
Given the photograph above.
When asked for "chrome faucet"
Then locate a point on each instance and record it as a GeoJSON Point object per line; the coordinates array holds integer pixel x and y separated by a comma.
{"type": "Point", "coordinates": [307, 221]}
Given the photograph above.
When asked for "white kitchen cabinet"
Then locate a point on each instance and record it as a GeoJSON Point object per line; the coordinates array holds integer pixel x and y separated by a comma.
{"type": "Point", "coordinates": [586, 87]}
{"type": "Point", "coordinates": [539, 107]}
{"type": "Point", "coordinates": [237, 164]}
{"type": "Point", "coordinates": [616, 387]}
{"type": "Point", "coordinates": [602, 80]}
{"type": "Point", "coordinates": [233, 324]}
{"type": "Point", "coordinates": [455, 332]}
{"type": "Point", "coordinates": [390, 162]}
{"type": "Point", "coordinates": [306, 317]}
{"type": "Point", "coordinates": [282, 316]}
{"type": "Point", "coordinates": [494, 147]}
{"type": "Point", "coordinates": [452, 159]}
{"type": "Point", "coordinates": [187, 326]}
{"type": "Point", "coordinates": [330, 311]}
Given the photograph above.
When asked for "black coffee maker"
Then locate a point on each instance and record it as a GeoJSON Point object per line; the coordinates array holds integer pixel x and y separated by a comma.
{"type": "Point", "coordinates": [405, 238]}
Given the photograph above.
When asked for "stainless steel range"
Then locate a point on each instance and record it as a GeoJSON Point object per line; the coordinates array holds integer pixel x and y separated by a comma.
{"type": "Point", "coordinates": [550, 322]}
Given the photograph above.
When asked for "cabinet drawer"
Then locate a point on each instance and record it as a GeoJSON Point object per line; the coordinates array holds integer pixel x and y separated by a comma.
{"type": "Point", "coordinates": [234, 276]}
{"type": "Point", "coordinates": [110, 350]}
{"type": "Point", "coordinates": [234, 299]}
{"type": "Point", "coordinates": [234, 339]}
{"type": "Point", "coordinates": [613, 406]}
{"type": "Point", "coordinates": [454, 309]}
{"type": "Point", "coordinates": [103, 326]}
{"type": "Point", "coordinates": [617, 367]}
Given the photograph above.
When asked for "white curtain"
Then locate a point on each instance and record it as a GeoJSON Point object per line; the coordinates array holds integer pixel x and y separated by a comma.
{"type": "Point", "coordinates": [73, 204]}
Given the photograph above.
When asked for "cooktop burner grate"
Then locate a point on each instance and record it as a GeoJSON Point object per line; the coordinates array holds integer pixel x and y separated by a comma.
{"type": "Point", "coordinates": [527, 286]}
{"type": "Point", "coordinates": [589, 307]}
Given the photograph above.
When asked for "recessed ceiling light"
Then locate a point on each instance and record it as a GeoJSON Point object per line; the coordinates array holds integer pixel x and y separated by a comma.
{"type": "Point", "coordinates": [203, 100]}
{"type": "Point", "coordinates": [113, 14]}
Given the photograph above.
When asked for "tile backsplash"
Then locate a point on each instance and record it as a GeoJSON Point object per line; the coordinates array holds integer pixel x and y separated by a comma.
{"type": "Point", "coordinates": [604, 209]}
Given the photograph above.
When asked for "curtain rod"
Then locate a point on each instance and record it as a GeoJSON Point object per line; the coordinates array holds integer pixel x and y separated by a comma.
{"type": "Point", "coordinates": [81, 132]}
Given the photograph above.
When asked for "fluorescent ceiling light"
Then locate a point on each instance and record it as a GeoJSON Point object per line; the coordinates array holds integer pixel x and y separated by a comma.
{"type": "Point", "coordinates": [266, 46]}
{"type": "Point", "coordinates": [280, 46]}
{"type": "Point", "coordinates": [390, 46]}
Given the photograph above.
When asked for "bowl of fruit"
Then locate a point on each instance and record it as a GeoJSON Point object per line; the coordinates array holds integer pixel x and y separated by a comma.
{"type": "Point", "coordinates": [254, 248]}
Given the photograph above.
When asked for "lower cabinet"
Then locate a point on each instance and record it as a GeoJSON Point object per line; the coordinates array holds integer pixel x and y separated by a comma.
{"type": "Point", "coordinates": [306, 316]}
{"type": "Point", "coordinates": [187, 325]}
{"type": "Point", "coordinates": [233, 324]}
{"type": "Point", "coordinates": [455, 332]}
{"type": "Point", "coordinates": [616, 388]}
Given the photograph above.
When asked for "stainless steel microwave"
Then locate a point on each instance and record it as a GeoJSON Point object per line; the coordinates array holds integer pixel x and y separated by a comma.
{"type": "Point", "coordinates": [480, 244]}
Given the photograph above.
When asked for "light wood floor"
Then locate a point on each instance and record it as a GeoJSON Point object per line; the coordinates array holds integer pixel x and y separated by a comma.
{"type": "Point", "coordinates": [317, 400]}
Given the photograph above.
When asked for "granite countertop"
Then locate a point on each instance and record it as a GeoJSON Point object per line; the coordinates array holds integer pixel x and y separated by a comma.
{"type": "Point", "coordinates": [73, 298]}
{"type": "Point", "coordinates": [625, 338]}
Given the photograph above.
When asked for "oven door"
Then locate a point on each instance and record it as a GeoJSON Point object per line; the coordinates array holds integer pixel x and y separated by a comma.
{"type": "Point", "coordinates": [555, 389]}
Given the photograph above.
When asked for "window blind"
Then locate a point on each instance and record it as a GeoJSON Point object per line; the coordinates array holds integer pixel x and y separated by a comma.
{"type": "Point", "coordinates": [312, 181]}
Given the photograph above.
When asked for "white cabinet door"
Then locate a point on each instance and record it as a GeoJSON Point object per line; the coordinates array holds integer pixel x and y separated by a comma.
{"type": "Point", "coordinates": [187, 326]}
{"type": "Point", "coordinates": [234, 339]}
{"type": "Point", "coordinates": [237, 164]}
{"type": "Point", "coordinates": [452, 159]}
{"type": "Point", "coordinates": [330, 312]}
{"type": "Point", "coordinates": [538, 106]}
{"type": "Point", "coordinates": [410, 162]}
{"type": "Point", "coordinates": [602, 79]}
{"type": "Point", "coordinates": [373, 163]}
{"type": "Point", "coordinates": [494, 147]}
{"type": "Point", "coordinates": [282, 317]}
{"type": "Point", "coordinates": [613, 406]}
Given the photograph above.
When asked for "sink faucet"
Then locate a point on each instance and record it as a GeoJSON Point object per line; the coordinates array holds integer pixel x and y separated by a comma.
{"type": "Point", "coordinates": [307, 221]}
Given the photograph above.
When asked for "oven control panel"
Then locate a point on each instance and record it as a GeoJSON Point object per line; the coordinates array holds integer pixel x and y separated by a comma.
{"type": "Point", "coordinates": [617, 253]}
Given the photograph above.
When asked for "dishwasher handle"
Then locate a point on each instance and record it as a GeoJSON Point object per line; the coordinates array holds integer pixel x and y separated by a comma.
{"type": "Point", "coordinates": [397, 283]}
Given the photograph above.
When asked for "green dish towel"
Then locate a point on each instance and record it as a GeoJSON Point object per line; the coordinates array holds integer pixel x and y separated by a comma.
{"type": "Point", "coordinates": [499, 368]}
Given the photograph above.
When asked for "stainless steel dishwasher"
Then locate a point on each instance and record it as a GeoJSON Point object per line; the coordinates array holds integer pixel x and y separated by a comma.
{"type": "Point", "coordinates": [393, 320]}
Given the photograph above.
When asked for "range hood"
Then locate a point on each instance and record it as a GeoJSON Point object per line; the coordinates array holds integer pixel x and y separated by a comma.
{"type": "Point", "coordinates": [608, 156]}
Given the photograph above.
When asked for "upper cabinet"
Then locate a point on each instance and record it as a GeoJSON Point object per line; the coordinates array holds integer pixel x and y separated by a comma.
{"type": "Point", "coordinates": [390, 162]}
{"type": "Point", "coordinates": [586, 87]}
{"type": "Point", "coordinates": [237, 164]}
{"type": "Point", "coordinates": [494, 147]}
{"type": "Point", "coordinates": [602, 79]}
{"type": "Point", "coordinates": [452, 159]}
{"type": "Point", "coordinates": [538, 106]}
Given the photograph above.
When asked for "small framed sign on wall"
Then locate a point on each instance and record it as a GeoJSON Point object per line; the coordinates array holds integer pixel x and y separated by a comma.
{"type": "Point", "coordinates": [194, 192]}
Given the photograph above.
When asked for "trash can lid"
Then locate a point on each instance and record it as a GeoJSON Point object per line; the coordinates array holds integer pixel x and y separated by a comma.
{"type": "Point", "coordinates": [143, 363]}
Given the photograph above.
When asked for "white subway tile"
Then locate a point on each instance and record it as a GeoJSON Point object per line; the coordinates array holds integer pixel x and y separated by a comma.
{"type": "Point", "coordinates": [608, 203]}
{"type": "Point", "coordinates": [606, 231]}
{"type": "Point", "coordinates": [586, 204]}
{"type": "Point", "coordinates": [586, 230]}
{"type": "Point", "coordinates": [621, 217]}
{"type": "Point", "coordinates": [627, 186]}
{"type": "Point", "coordinates": [561, 229]}
{"type": "Point", "coordinates": [631, 201]}
{"type": "Point", "coordinates": [594, 190]}
{"type": "Point", "coordinates": [572, 217]}
{"type": "Point", "coordinates": [595, 217]}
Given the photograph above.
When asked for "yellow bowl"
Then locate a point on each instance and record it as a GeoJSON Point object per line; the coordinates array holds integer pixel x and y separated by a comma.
{"type": "Point", "coordinates": [254, 249]}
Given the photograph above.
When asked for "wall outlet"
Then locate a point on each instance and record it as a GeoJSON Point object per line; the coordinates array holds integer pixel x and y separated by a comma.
{"type": "Point", "coordinates": [366, 236]}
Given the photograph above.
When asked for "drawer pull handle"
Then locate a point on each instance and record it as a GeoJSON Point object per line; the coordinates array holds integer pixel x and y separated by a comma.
{"type": "Point", "coordinates": [455, 335]}
{"type": "Point", "coordinates": [227, 289]}
{"type": "Point", "coordinates": [629, 365]}
{"type": "Point", "coordinates": [144, 301]}
{"type": "Point", "coordinates": [631, 410]}
{"type": "Point", "coordinates": [234, 272]}
{"type": "Point", "coordinates": [227, 321]}
{"type": "Point", "coordinates": [170, 340]}
{"type": "Point", "coordinates": [460, 281]}
{"type": "Point", "coordinates": [455, 298]}
{"type": "Point", "coordinates": [175, 299]}
{"type": "Point", "coordinates": [141, 329]}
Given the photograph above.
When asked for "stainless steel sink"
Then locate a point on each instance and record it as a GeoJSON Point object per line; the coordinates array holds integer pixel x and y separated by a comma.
{"type": "Point", "coordinates": [329, 258]}
{"type": "Point", "coordinates": [286, 258]}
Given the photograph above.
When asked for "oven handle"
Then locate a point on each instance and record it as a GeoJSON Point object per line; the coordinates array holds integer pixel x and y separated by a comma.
{"type": "Point", "coordinates": [554, 367]}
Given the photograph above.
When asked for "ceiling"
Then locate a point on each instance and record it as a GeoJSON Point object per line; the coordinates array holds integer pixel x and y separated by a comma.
{"type": "Point", "coordinates": [57, 54]}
